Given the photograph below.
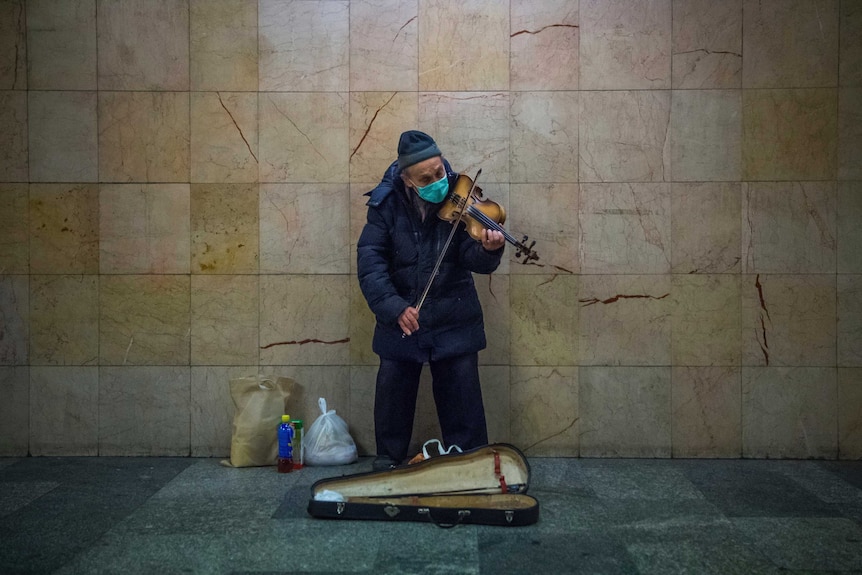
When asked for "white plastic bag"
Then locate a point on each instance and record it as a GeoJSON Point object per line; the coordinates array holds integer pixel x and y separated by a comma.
{"type": "Point", "coordinates": [328, 441]}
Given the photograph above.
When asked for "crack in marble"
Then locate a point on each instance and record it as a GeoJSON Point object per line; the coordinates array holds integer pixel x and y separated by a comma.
{"type": "Point", "coordinates": [402, 28]}
{"type": "Point", "coordinates": [616, 298]}
{"type": "Point", "coordinates": [21, 26]}
{"type": "Point", "coordinates": [704, 50]}
{"type": "Point", "coordinates": [305, 341]}
{"type": "Point", "coordinates": [232, 119]}
{"type": "Point", "coordinates": [295, 127]}
{"type": "Point", "coordinates": [764, 345]}
{"type": "Point", "coordinates": [553, 435]}
{"type": "Point", "coordinates": [826, 238]}
{"type": "Point", "coordinates": [542, 29]}
{"type": "Point", "coordinates": [371, 123]}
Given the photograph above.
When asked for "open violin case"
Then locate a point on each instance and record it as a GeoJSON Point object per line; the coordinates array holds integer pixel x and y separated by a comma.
{"type": "Point", "coordinates": [486, 485]}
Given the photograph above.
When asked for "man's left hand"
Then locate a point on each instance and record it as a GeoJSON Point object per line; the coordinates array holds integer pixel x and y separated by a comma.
{"type": "Point", "coordinates": [492, 240]}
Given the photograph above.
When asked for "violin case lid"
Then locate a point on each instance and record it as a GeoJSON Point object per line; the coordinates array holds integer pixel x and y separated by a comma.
{"type": "Point", "coordinates": [486, 485]}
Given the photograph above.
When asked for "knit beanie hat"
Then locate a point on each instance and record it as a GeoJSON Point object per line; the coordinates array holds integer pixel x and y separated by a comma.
{"type": "Point", "coordinates": [415, 146]}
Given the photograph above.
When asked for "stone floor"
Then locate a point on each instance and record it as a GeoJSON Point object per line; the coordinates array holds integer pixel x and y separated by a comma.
{"type": "Point", "coordinates": [178, 515]}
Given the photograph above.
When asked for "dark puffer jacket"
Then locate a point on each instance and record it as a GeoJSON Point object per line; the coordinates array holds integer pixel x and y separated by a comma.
{"type": "Point", "coordinates": [396, 255]}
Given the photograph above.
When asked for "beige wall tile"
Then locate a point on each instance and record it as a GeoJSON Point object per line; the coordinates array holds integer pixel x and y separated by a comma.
{"type": "Point", "coordinates": [624, 136]}
{"type": "Point", "coordinates": [144, 228]}
{"type": "Point", "coordinates": [304, 319]}
{"type": "Point", "coordinates": [625, 228]}
{"type": "Point", "coordinates": [705, 320]}
{"type": "Point", "coordinates": [496, 400]}
{"type": "Point", "coordinates": [63, 137]}
{"type": "Point", "coordinates": [544, 414]}
{"type": "Point", "coordinates": [144, 320]}
{"type": "Point", "coordinates": [13, 136]}
{"type": "Point", "coordinates": [789, 227]}
{"type": "Point", "coordinates": [706, 412]}
{"type": "Point", "coordinates": [707, 44]}
{"type": "Point", "coordinates": [224, 228]}
{"type": "Point", "coordinates": [705, 225]}
{"type": "Point", "coordinates": [789, 134]}
{"type": "Point", "coordinates": [223, 137]}
{"type": "Point", "coordinates": [849, 320]}
{"type": "Point", "coordinates": [377, 120]}
{"type": "Point", "coordinates": [212, 409]}
{"type": "Point", "coordinates": [624, 411]}
{"type": "Point", "coordinates": [544, 136]}
{"type": "Point", "coordinates": [225, 320]}
{"type": "Point", "coordinates": [144, 411]}
{"type": "Point", "coordinates": [14, 411]}
{"type": "Point", "coordinates": [14, 228]}
{"type": "Point", "coordinates": [544, 43]}
{"type": "Point", "coordinates": [494, 295]}
{"type": "Point", "coordinates": [548, 215]}
{"type": "Point", "coordinates": [544, 319]}
{"type": "Point", "coordinates": [790, 43]}
{"type": "Point", "coordinates": [223, 45]}
{"type": "Point", "coordinates": [849, 413]}
{"type": "Point", "coordinates": [789, 412]}
{"type": "Point", "coordinates": [15, 311]}
{"type": "Point", "coordinates": [624, 320]}
{"type": "Point", "coordinates": [63, 417]}
{"type": "Point", "coordinates": [706, 135]}
{"type": "Point", "coordinates": [61, 37]}
{"type": "Point", "coordinates": [850, 134]}
{"type": "Point", "coordinates": [304, 46]}
{"type": "Point", "coordinates": [612, 31]}
{"type": "Point", "coordinates": [144, 136]}
{"type": "Point", "coordinates": [384, 48]}
{"type": "Point", "coordinates": [850, 47]}
{"type": "Point", "coordinates": [361, 414]}
{"type": "Point", "coordinates": [362, 322]}
{"type": "Point", "coordinates": [143, 44]}
{"type": "Point", "coordinates": [304, 137]}
{"type": "Point", "coordinates": [788, 320]}
{"type": "Point", "coordinates": [463, 45]}
{"type": "Point", "coordinates": [64, 228]}
{"type": "Point", "coordinates": [848, 216]}
{"type": "Point", "coordinates": [13, 46]}
{"type": "Point", "coordinates": [358, 216]}
{"type": "Point", "coordinates": [64, 320]}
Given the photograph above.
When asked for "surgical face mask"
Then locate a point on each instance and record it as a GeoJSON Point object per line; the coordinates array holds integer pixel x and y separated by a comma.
{"type": "Point", "coordinates": [436, 192]}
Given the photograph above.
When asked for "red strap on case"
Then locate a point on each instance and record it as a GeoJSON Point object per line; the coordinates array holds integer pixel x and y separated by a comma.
{"type": "Point", "coordinates": [497, 471]}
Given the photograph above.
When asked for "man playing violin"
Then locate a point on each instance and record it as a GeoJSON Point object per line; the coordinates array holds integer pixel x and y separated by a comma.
{"type": "Point", "coordinates": [421, 319]}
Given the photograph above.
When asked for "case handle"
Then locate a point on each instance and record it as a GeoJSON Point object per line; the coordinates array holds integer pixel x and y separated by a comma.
{"type": "Point", "coordinates": [462, 513]}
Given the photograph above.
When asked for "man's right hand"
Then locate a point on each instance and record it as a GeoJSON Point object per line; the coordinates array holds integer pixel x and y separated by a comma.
{"type": "Point", "coordinates": [409, 320]}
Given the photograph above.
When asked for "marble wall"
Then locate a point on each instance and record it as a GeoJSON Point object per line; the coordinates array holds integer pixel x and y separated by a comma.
{"type": "Point", "coordinates": [181, 192]}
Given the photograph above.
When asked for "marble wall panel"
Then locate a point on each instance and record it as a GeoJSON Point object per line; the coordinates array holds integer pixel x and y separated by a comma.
{"type": "Point", "coordinates": [624, 411]}
{"type": "Point", "coordinates": [625, 44]}
{"type": "Point", "coordinates": [789, 227]}
{"type": "Point", "coordinates": [360, 416]}
{"type": "Point", "coordinates": [14, 228]}
{"type": "Point", "coordinates": [304, 46]}
{"type": "Point", "coordinates": [848, 216]}
{"type": "Point", "coordinates": [63, 137]}
{"type": "Point", "coordinates": [358, 216]}
{"type": "Point", "coordinates": [625, 228]}
{"type": "Point", "coordinates": [144, 228]}
{"type": "Point", "coordinates": [64, 228]}
{"type": "Point", "coordinates": [304, 319]}
{"type": "Point", "coordinates": [624, 320]}
{"type": "Point", "coordinates": [850, 46]}
{"type": "Point", "coordinates": [544, 320]}
{"type": "Point", "coordinates": [224, 137]}
{"type": "Point", "coordinates": [362, 323]}
{"type": "Point", "coordinates": [61, 41]}
{"type": "Point", "coordinates": [850, 413]}
{"type": "Point", "coordinates": [706, 135]}
{"type": "Point", "coordinates": [471, 129]}
{"type": "Point", "coordinates": [225, 320]}
{"type": "Point", "coordinates": [212, 409]}
{"type": "Point", "coordinates": [144, 411]}
{"type": "Point", "coordinates": [64, 320]}
{"type": "Point", "coordinates": [707, 44]}
{"type": "Point", "coordinates": [706, 412]}
{"type": "Point", "coordinates": [304, 228]}
{"type": "Point", "coordinates": [544, 137]}
{"type": "Point", "coordinates": [13, 136]}
{"type": "Point", "coordinates": [789, 412]}
{"type": "Point", "coordinates": [384, 45]}
{"type": "Point", "coordinates": [15, 311]}
{"type": "Point", "coordinates": [143, 44]}
{"type": "Point", "coordinates": [377, 120]}
{"type": "Point", "coordinates": [624, 136]}
{"type": "Point", "coordinates": [849, 320]}
{"type": "Point", "coordinates": [143, 136]}
{"type": "Point", "coordinates": [705, 320]}
{"type": "Point", "coordinates": [14, 411]}
{"type": "Point", "coordinates": [850, 134]}
{"type": "Point", "coordinates": [705, 223]}
{"type": "Point", "coordinates": [790, 43]}
{"type": "Point", "coordinates": [544, 414]}
{"type": "Point", "coordinates": [224, 228]}
{"type": "Point", "coordinates": [463, 45]}
{"type": "Point", "coordinates": [788, 320]}
{"type": "Point", "coordinates": [494, 295]}
{"type": "Point", "coordinates": [789, 134]}
{"type": "Point", "coordinates": [144, 320]}
{"type": "Point", "coordinates": [223, 45]}
{"type": "Point", "coordinates": [548, 215]}
{"type": "Point", "coordinates": [304, 137]}
{"type": "Point", "coordinates": [13, 45]}
{"type": "Point", "coordinates": [495, 381]}
{"type": "Point", "coordinates": [63, 420]}
{"type": "Point", "coordinates": [544, 42]}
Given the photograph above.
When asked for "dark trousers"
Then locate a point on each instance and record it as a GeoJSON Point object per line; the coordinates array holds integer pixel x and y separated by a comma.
{"type": "Point", "coordinates": [457, 395]}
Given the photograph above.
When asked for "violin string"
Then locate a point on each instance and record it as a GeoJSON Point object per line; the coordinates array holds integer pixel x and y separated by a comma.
{"type": "Point", "coordinates": [489, 223]}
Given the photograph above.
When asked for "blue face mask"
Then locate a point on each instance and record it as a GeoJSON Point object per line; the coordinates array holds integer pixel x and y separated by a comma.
{"type": "Point", "coordinates": [436, 192]}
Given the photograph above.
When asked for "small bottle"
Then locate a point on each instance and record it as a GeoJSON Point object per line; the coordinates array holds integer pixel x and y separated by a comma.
{"type": "Point", "coordinates": [285, 445]}
{"type": "Point", "coordinates": [297, 443]}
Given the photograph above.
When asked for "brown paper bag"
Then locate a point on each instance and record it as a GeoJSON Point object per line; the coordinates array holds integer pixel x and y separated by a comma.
{"type": "Point", "coordinates": [260, 402]}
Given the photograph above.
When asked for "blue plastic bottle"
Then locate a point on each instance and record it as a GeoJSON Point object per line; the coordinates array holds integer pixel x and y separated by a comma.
{"type": "Point", "coordinates": [285, 445]}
